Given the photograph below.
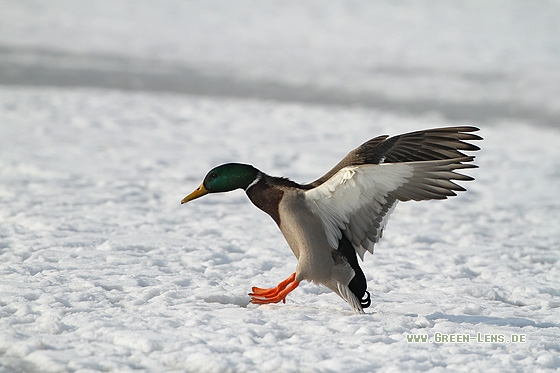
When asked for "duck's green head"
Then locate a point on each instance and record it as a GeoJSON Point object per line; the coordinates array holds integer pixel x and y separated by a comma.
{"type": "Point", "coordinates": [224, 178]}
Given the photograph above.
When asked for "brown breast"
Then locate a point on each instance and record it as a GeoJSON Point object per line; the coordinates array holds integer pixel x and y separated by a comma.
{"type": "Point", "coordinates": [267, 198]}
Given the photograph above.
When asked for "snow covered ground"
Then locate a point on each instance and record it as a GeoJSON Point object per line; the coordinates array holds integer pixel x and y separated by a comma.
{"type": "Point", "coordinates": [101, 268]}
{"type": "Point", "coordinates": [473, 60]}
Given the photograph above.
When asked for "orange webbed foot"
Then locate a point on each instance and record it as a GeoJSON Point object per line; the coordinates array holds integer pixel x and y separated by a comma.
{"type": "Point", "coordinates": [276, 294]}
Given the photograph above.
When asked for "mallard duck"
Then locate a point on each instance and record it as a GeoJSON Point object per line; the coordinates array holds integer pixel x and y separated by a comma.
{"type": "Point", "coordinates": [330, 222]}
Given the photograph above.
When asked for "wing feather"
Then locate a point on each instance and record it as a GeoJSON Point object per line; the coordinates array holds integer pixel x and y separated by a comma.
{"type": "Point", "coordinates": [358, 200]}
{"type": "Point", "coordinates": [432, 144]}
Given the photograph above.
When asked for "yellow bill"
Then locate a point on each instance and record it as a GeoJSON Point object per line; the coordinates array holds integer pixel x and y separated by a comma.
{"type": "Point", "coordinates": [199, 192]}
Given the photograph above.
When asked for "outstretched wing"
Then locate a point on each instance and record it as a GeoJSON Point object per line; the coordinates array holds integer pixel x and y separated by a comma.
{"type": "Point", "coordinates": [425, 145]}
{"type": "Point", "coordinates": [357, 200]}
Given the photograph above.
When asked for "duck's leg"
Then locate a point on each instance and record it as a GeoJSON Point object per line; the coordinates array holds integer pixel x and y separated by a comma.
{"type": "Point", "coordinates": [275, 290]}
{"type": "Point", "coordinates": [276, 294]}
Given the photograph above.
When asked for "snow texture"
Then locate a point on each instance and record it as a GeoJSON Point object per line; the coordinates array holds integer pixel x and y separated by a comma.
{"type": "Point", "coordinates": [102, 269]}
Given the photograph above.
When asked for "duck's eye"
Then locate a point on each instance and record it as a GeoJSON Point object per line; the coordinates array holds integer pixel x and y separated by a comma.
{"type": "Point", "coordinates": [213, 175]}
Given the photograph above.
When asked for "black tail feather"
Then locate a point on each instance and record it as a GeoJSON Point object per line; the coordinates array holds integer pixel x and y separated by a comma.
{"type": "Point", "coordinates": [358, 284]}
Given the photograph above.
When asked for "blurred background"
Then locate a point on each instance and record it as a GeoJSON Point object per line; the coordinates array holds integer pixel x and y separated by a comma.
{"type": "Point", "coordinates": [469, 60]}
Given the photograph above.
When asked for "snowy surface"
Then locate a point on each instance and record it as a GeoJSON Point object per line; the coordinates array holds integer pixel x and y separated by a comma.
{"type": "Point", "coordinates": [102, 269]}
{"type": "Point", "coordinates": [469, 60]}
